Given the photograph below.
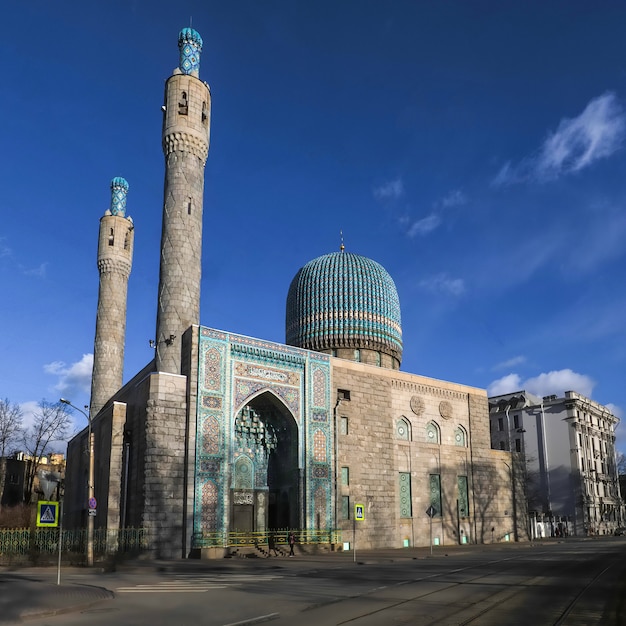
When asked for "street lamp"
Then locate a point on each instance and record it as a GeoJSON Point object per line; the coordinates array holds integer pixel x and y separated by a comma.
{"type": "Point", "coordinates": [90, 488]}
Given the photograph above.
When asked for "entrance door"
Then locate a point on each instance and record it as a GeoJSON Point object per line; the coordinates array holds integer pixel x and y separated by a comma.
{"type": "Point", "coordinates": [243, 516]}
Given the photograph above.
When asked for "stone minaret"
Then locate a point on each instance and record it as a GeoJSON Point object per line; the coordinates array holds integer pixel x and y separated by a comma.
{"type": "Point", "coordinates": [186, 122]}
{"type": "Point", "coordinates": [115, 258]}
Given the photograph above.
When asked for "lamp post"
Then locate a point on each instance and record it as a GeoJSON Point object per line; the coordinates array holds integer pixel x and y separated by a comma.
{"type": "Point", "coordinates": [90, 489]}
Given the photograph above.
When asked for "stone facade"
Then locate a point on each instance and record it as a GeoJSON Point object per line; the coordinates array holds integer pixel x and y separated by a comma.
{"type": "Point", "coordinates": [405, 443]}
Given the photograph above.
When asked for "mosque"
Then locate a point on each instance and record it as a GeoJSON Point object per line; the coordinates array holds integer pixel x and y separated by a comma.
{"type": "Point", "coordinates": [224, 436]}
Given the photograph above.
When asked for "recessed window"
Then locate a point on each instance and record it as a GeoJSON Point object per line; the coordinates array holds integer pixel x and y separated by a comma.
{"type": "Point", "coordinates": [345, 507]}
{"type": "Point", "coordinates": [433, 434]}
{"type": "Point", "coordinates": [403, 429]}
{"type": "Point", "coordinates": [343, 394]}
{"type": "Point", "coordinates": [345, 476]}
{"type": "Point", "coordinates": [460, 437]}
{"type": "Point", "coordinates": [343, 425]}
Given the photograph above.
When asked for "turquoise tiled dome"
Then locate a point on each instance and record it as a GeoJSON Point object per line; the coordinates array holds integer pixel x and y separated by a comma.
{"type": "Point", "coordinates": [344, 300]}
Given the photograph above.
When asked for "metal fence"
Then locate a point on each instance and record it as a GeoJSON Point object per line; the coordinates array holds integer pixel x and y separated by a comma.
{"type": "Point", "coordinates": [251, 539]}
{"type": "Point", "coordinates": [17, 544]}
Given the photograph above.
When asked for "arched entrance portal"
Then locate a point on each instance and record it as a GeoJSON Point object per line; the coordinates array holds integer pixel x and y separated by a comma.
{"type": "Point", "coordinates": [265, 466]}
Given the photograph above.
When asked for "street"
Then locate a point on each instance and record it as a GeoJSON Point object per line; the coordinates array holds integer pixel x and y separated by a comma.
{"type": "Point", "coordinates": [576, 581]}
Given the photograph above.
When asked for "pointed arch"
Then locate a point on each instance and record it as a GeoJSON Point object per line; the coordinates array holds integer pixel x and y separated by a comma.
{"type": "Point", "coordinates": [403, 429]}
{"type": "Point", "coordinates": [433, 432]}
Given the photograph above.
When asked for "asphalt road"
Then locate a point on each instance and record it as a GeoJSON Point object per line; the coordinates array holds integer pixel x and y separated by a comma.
{"type": "Point", "coordinates": [573, 582]}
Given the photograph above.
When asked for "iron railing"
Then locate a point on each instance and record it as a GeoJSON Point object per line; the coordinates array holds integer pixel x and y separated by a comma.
{"type": "Point", "coordinates": [250, 539]}
{"type": "Point", "coordinates": [44, 541]}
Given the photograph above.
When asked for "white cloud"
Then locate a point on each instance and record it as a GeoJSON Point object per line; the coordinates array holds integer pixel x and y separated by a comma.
{"type": "Point", "coordinates": [444, 284]}
{"type": "Point", "coordinates": [74, 379]}
{"type": "Point", "coordinates": [616, 410]}
{"type": "Point", "coordinates": [424, 226]}
{"type": "Point", "coordinates": [516, 360]}
{"type": "Point", "coordinates": [555, 382]}
{"type": "Point", "coordinates": [506, 384]}
{"type": "Point", "coordinates": [577, 143]}
{"type": "Point", "coordinates": [392, 190]}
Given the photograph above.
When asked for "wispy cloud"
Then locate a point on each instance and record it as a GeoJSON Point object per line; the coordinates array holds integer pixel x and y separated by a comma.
{"type": "Point", "coordinates": [424, 226]}
{"type": "Point", "coordinates": [5, 251]}
{"type": "Point", "coordinates": [455, 198]}
{"type": "Point", "coordinates": [391, 190]}
{"type": "Point", "coordinates": [516, 360]}
{"type": "Point", "coordinates": [555, 382]}
{"type": "Point", "coordinates": [38, 272]}
{"type": "Point", "coordinates": [73, 379]}
{"type": "Point", "coordinates": [442, 283]}
{"type": "Point", "coordinates": [434, 219]}
{"type": "Point", "coordinates": [577, 143]}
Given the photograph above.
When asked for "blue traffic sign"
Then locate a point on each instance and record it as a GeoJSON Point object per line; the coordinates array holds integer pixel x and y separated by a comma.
{"type": "Point", "coordinates": [47, 513]}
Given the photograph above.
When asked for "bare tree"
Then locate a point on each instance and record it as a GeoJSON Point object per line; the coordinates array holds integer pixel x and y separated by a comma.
{"type": "Point", "coordinates": [50, 425]}
{"type": "Point", "coordinates": [10, 431]}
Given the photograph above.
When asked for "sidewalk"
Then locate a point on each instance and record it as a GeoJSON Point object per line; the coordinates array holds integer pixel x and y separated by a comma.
{"type": "Point", "coordinates": [24, 595]}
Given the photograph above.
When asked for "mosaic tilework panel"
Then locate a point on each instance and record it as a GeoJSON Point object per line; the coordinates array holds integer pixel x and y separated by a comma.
{"type": "Point", "coordinates": [233, 369]}
{"type": "Point", "coordinates": [319, 446]}
{"type": "Point", "coordinates": [244, 473]}
{"type": "Point", "coordinates": [212, 370]}
{"type": "Point", "coordinates": [210, 435]}
{"type": "Point", "coordinates": [319, 387]}
{"type": "Point", "coordinates": [210, 508]}
{"type": "Point", "coordinates": [321, 506]}
{"type": "Point", "coordinates": [244, 389]}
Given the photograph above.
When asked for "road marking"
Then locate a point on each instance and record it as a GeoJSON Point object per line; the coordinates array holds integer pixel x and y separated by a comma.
{"type": "Point", "coordinates": [191, 583]}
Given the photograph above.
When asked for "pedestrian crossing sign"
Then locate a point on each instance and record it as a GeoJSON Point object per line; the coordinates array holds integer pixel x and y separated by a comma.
{"type": "Point", "coordinates": [47, 513]}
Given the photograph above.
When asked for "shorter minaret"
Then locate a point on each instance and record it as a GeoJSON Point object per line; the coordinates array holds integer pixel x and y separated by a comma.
{"type": "Point", "coordinates": [115, 259]}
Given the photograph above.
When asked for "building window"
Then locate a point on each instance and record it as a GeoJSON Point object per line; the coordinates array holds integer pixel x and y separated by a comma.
{"type": "Point", "coordinates": [345, 476]}
{"type": "Point", "coordinates": [463, 496]}
{"type": "Point", "coordinates": [343, 425]}
{"type": "Point", "coordinates": [432, 433]}
{"type": "Point", "coordinates": [518, 445]}
{"type": "Point", "coordinates": [343, 394]}
{"type": "Point", "coordinates": [402, 429]}
{"type": "Point", "coordinates": [435, 493]}
{"type": "Point", "coordinates": [516, 421]}
{"type": "Point", "coordinates": [345, 507]}
{"type": "Point", "coordinates": [357, 355]}
{"type": "Point", "coordinates": [405, 494]}
{"type": "Point", "coordinates": [501, 424]}
{"type": "Point", "coordinates": [502, 445]}
{"type": "Point", "coordinates": [460, 437]}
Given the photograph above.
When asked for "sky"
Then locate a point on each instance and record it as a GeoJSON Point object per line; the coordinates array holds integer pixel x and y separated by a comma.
{"type": "Point", "coordinates": [475, 149]}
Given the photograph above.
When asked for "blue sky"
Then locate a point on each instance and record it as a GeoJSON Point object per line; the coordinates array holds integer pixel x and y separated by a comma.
{"type": "Point", "coordinates": [474, 149]}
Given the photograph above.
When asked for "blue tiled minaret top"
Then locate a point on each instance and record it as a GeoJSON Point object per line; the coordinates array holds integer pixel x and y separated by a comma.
{"type": "Point", "coordinates": [190, 46]}
{"type": "Point", "coordinates": [119, 191]}
{"type": "Point", "coordinates": [344, 300]}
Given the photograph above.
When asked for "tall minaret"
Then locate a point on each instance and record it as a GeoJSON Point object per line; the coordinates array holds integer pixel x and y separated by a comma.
{"type": "Point", "coordinates": [186, 121]}
{"type": "Point", "coordinates": [115, 259]}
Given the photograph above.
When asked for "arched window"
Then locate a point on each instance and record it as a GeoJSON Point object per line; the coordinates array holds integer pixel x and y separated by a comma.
{"type": "Point", "coordinates": [403, 429]}
{"type": "Point", "coordinates": [433, 433]}
{"type": "Point", "coordinates": [460, 437]}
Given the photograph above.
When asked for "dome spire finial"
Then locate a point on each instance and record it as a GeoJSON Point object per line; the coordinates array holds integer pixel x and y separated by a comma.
{"type": "Point", "coordinates": [341, 246]}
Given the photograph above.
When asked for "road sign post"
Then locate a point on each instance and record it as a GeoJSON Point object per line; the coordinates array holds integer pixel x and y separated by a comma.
{"type": "Point", "coordinates": [431, 511]}
{"type": "Point", "coordinates": [359, 516]}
